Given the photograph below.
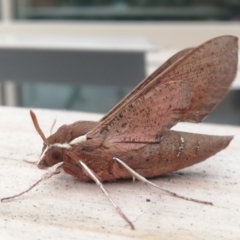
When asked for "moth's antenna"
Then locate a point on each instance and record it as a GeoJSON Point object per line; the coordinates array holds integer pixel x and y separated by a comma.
{"type": "Point", "coordinates": [53, 125]}
{"type": "Point", "coordinates": [38, 129]}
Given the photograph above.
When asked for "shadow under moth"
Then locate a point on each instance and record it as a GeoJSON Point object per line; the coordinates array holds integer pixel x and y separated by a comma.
{"type": "Point", "coordinates": [134, 139]}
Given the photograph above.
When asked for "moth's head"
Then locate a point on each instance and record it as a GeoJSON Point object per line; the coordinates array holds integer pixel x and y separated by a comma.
{"type": "Point", "coordinates": [51, 153]}
{"type": "Point", "coordinates": [50, 156]}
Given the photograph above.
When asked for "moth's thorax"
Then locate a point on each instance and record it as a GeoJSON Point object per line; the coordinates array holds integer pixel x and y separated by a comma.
{"type": "Point", "coordinates": [67, 133]}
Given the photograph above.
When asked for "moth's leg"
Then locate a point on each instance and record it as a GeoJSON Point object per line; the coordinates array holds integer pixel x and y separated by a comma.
{"type": "Point", "coordinates": [144, 180]}
{"type": "Point", "coordinates": [31, 162]}
{"type": "Point", "coordinates": [56, 169]}
{"type": "Point", "coordinates": [53, 125]}
{"type": "Point", "coordinates": [95, 179]}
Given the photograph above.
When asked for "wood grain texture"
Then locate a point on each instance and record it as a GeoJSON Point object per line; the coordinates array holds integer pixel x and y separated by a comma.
{"type": "Point", "coordinates": [64, 208]}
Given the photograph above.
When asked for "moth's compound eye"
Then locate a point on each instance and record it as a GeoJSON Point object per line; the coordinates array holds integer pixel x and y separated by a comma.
{"type": "Point", "coordinates": [52, 156]}
{"type": "Point", "coordinates": [56, 154]}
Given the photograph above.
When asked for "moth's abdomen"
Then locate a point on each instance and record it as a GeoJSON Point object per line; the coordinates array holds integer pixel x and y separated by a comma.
{"type": "Point", "coordinates": [177, 150]}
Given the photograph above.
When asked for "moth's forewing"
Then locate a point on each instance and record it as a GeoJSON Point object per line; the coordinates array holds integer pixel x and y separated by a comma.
{"type": "Point", "coordinates": [143, 83]}
{"type": "Point", "coordinates": [144, 119]}
{"type": "Point", "coordinates": [209, 69]}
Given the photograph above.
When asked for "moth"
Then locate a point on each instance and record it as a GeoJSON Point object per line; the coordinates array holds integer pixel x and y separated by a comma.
{"type": "Point", "coordinates": [134, 139]}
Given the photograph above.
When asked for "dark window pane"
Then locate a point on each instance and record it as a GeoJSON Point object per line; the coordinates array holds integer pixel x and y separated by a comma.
{"type": "Point", "coordinates": [128, 9]}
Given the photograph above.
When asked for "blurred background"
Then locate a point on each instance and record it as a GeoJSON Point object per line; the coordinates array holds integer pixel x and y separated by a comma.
{"type": "Point", "coordinates": [87, 54]}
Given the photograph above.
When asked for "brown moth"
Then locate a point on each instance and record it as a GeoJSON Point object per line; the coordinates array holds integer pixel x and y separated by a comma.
{"type": "Point", "coordinates": [133, 140]}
